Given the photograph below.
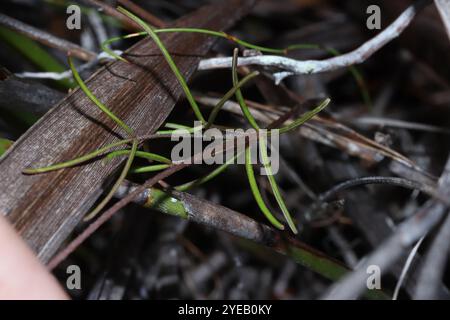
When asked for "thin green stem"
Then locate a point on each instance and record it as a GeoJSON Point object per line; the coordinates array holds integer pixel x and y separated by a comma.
{"type": "Point", "coordinates": [239, 97]}
{"type": "Point", "coordinates": [227, 96]}
{"type": "Point", "coordinates": [139, 154]}
{"type": "Point", "coordinates": [169, 60]}
{"type": "Point", "coordinates": [97, 102]}
{"type": "Point", "coordinates": [78, 160]}
{"type": "Point", "coordinates": [255, 190]}
{"type": "Point", "coordinates": [353, 70]}
{"type": "Point", "coordinates": [195, 183]}
{"type": "Point", "coordinates": [274, 186]}
{"type": "Point", "coordinates": [357, 75]}
{"type": "Point", "coordinates": [305, 117]}
{"type": "Point", "coordinates": [152, 168]}
{"type": "Point", "coordinates": [117, 184]}
{"type": "Point", "coordinates": [219, 34]}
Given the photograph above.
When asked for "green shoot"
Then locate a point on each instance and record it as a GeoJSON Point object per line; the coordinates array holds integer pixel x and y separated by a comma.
{"type": "Point", "coordinates": [358, 78]}
{"type": "Point", "coordinates": [164, 162]}
{"type": "Point", "coordinates": [220, 34]}
{"type": "Point", "coordinates": [97, 102]}
{"type": "Point", "coordinates": [227, 96]}
{"type": "Point", "coordinates": [274, 186]}
{"type": "Point", "coordinates": [305, 117]}
{"type": "Point", "coordinates": [116, 185]}
{"type": "Point", "coordinates": [152, 168]}
{"type": "Point", "coordinates": [169, 60]}
{"type": "Point", "coordinates": [239, 97]}
{"type": "Point", "coordinates": [76, 161]}
{"type": "Point", "coordinates": [139, 154]}
{"type": "Point", "coordinates": [353, 70]}
{"type": "Point", "coordinates": [195, 183]}
{"type": "Point", "coordinates": [255, 190]}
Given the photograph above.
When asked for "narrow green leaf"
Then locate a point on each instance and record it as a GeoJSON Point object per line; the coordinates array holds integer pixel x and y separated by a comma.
{"type": "Point", "coordinates": [117, 184]}
{"type": "Point", "coordinates": [274, 186]}
{"type": "Point", "coordinates": [169, 60]}
{"type": "Point", "coordinates": [78, 160]}
{"type": "Point", "coordinates": [305, 117]}
{"type": "Point", "coordinates": [239, 97]}
{"type": "Point", "coordinates": [97, 102]}
{"type": "Point", "coordinates": [152, 168]}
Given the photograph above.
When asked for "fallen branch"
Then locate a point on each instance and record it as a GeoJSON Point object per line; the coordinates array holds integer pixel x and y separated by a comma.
{"type": "Point", "coordinates": [46, 38]}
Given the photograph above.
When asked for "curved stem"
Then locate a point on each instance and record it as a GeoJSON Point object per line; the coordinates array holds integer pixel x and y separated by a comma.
{"type": "Point", "coordinates": [116, 185]}
{"type": "Point", "coordinates": [227, 96]}
{"type": "Point", "coordinates": [140, 154]}
{"type": "Point", "coordinates": [239, 97]}
{"type": "Point", "coordinates": [152, 168]}
{"type": "Point", "coordinates": [78, 160]}
{"type": "Point", "coordinates": [274, 186]}
{"type": "Point", "coordinates": [169, 60]}
{"type": "Point", "coordinates": [97, 102]}
{"type": "Point", "coordinates": [255, 190]}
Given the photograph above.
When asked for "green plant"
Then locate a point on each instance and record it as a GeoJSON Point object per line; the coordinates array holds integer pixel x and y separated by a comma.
{"type": "Point", "coordinates": [164, 162]}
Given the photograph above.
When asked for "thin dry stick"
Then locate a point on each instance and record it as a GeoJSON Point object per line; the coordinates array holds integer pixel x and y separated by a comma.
{"type": "Point", "coordinates": [46, 38]}
{"type": "Point", "coordinates": [288, 66]}
{"type": "Point", "coordinates": [405, 269]}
